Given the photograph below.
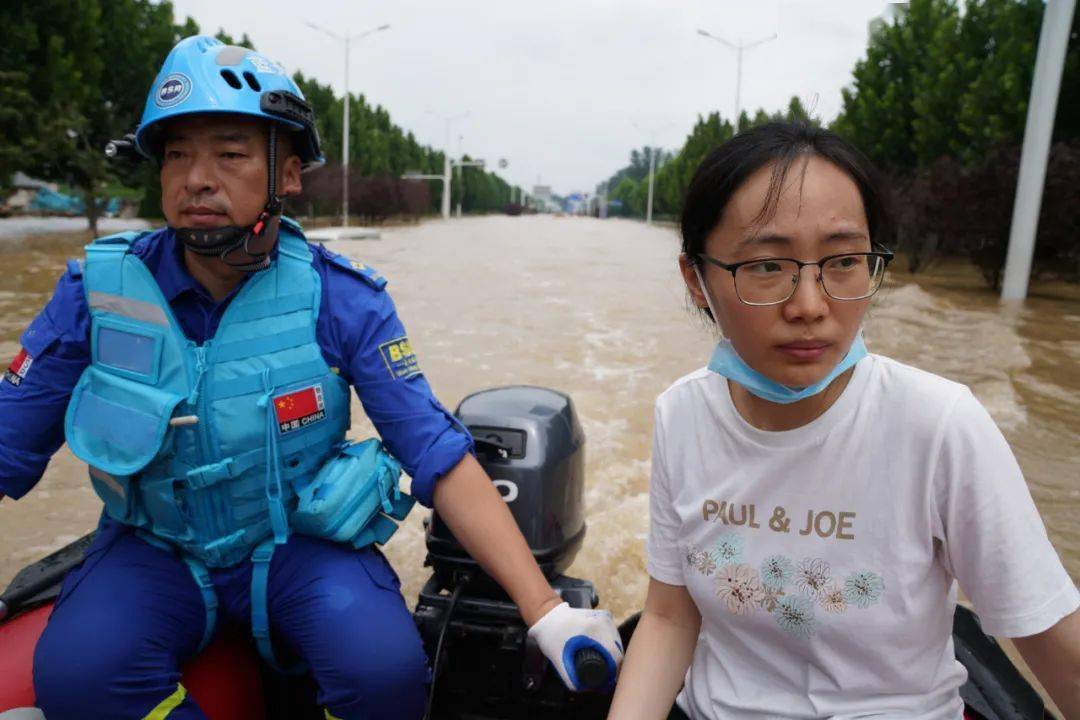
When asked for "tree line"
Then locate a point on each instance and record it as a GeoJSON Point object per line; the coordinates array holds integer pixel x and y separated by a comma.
{"type": "Point", "coordinates": [629, 187]}
{"type": "Point", "coordinates": [939, 103]}
{"type": "Point", "coordinates": [75, 74]}
{"type": "Point", "coordinates": [380, 152]}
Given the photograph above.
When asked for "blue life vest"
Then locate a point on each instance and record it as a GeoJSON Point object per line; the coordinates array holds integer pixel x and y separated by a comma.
{"type": "Point", "coordinates": [205, 446]}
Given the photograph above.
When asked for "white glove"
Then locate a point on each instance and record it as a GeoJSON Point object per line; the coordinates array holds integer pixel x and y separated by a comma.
{"type": "Point", "coordinates": [563, 631]}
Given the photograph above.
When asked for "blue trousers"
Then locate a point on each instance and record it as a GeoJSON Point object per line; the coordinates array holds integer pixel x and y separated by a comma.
{"type": "Point", "coordinates": [131, 614]}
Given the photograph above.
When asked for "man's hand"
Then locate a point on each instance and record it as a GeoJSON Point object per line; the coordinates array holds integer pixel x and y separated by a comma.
{"type": "Point", "coordinates": [475, 512]}
{"type": "Point", "coordinates": [563, 631]}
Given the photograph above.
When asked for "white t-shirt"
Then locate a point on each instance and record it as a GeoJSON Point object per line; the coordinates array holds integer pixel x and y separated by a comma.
{"type": "Point", "coordinates": [823, 558]}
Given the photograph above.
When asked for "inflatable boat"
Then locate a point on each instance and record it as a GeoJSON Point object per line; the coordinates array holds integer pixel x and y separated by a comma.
{"type": "Point", "coordinates": [532, 446]}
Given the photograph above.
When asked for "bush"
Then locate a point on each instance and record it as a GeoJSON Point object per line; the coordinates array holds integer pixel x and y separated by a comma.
{"type": "Point", "coordinates": [950, 209]}
{"type": "Point", "coordinates": [373, 198]}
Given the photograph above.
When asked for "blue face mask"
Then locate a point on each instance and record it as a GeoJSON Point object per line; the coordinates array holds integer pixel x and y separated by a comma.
{"type": "Point", "coordinates": [725, 361]}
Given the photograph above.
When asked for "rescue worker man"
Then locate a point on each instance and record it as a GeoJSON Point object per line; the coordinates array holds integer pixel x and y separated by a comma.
{"type": "Point", "coordinates": [202, 371]}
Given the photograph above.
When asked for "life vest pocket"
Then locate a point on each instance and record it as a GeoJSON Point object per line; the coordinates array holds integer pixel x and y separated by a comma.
{"type": "Point", "coordinates": [129, 349]}
{"type": "Point", "coordinates": [355, 497]}
{"type": "Point", "coordinates": [165, 505]}
{"type": "Point", "coordinates": [116, 424]}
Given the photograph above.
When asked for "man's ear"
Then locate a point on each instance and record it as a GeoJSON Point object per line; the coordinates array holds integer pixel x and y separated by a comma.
{"type": "Point", "coordinates": [691, 279]}
{"type": "Point", "coordinates": [289, 181]}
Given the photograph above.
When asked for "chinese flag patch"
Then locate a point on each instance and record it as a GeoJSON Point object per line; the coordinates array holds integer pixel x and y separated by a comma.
{"type": "Point", "coordinates": [16, 372]}
{"type": "Point", "coordinates": [299, 408]}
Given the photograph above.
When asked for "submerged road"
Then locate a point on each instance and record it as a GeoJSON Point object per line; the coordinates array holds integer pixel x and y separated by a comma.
{"type": "Point", "coordinates": [597, 309]}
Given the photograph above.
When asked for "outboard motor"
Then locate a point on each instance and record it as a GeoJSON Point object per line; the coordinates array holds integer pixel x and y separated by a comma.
{"type": "Point", "coordinates": [529, 441]}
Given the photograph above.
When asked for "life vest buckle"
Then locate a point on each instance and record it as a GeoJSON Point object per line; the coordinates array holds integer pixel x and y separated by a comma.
{"type": "Point", "coordinates": [209, 475]}
{"type": "Point", "coordinates": [211, 548]}
{"type": "Point", "coordinates": [262, 553]}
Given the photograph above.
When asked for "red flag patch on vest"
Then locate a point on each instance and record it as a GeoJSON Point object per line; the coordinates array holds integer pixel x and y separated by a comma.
{"type": "Point", "coordinates": [299, 408]}
{"type": "Point", "coordinates": [16, 372]}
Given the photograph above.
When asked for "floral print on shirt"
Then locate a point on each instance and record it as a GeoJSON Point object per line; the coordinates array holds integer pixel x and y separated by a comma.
{"type": "Point", "coordinates": [863, 588]}
{"type": "Point", "coordinates": [791, 592]}
{"type": "Point", "coordinates": [740, 587]}
{"type": "Point", "coordinates": [729, 549]}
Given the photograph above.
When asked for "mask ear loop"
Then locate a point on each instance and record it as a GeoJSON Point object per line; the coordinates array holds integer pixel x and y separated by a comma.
{"type": "Point", "coordinates": [708, 299]}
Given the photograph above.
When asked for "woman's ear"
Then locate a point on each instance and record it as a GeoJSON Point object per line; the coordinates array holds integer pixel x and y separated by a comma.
{"type": "Point", "coordinates": [690, 277]}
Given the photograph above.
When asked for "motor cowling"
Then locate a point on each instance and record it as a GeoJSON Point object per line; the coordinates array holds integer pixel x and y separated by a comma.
{"type": "Point", "coordinates": [529, 441]}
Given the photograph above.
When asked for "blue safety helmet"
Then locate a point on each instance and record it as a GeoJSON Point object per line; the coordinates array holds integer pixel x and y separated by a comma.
{"type": "Point", "coordinates": [203, 75]}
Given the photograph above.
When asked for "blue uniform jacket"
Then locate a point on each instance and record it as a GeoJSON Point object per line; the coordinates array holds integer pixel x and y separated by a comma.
{"type": "Point", "coordinates": [358, 331]}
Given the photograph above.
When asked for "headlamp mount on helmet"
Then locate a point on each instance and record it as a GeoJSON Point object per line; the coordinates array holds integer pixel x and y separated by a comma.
{"type": "Point", "coordinates": [293, 109]}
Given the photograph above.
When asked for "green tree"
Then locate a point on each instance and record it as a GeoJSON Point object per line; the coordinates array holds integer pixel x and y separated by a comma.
{"type": "Point", "coordinates": [941, 83]}
{"type": "Point", "coordinates": [628, 194]}
{"type": "Point", "coordinates": [226, 38]}
{"type": "Point", "coordinates": [938, 84]}
{"type": "Point", "coordinates": [878, 109]}
{"type": "Point", "coordinates": [87, 80]}
{"type": "Point", "coordinates": [796, 111]}
{"type": "Point", "coordinates": [18, 121]}
{"type": "Point", "coordinates": [999, 39]}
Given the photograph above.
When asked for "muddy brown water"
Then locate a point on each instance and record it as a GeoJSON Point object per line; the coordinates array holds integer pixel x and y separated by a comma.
{"type": "Point", "coordinates": [597, 309]}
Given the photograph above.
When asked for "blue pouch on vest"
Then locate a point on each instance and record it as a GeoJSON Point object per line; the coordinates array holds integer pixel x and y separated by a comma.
{"type": "Point", "coordinates": [355, 498]}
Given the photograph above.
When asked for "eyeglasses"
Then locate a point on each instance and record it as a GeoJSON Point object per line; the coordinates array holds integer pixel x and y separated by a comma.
{"type": "Point", "coordinates": [771, 281]}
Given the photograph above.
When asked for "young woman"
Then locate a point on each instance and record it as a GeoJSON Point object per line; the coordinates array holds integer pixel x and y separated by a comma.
{"type": "Point", "coordinates": [811, 504]}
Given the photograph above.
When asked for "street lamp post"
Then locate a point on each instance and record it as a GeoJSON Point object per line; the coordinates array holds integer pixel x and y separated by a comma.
{"type": "Point", "coordinates": [652, 172]}
{"type": "Point", "coordinates": [460, 175]}
{"type": "Point", "coordinates": [345, 121]}
{"type": "Point", "coordinates": [448, 166]}
{"type": "Point", "coordinates": [652, 165]}
{"type": "Point", "coordinates": [1034, 155]}
{"type": "Point", "coordinates": [738, 62]}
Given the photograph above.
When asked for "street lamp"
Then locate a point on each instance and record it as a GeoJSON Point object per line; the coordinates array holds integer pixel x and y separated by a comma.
{"type": "Point", "coordinates": [652, 164]}
{"type": "Point", "coordinates": [448, 164]}
{"type": "Point", "coordinates": [345, 122]}
{"type": "Point", "coordinates": [460, 172]}
{"type": "Point", "coordinates": [738, 64]}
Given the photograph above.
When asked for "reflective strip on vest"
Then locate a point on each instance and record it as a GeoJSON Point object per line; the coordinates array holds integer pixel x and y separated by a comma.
{"type": "Point", "coordinates": [167, 705]}
{"type": "Point", "coordinates": [134, 309]}
{"type": "Point", "coordinates": [109, 481]}
{"type": "Point", "coordinates": [217, 488]}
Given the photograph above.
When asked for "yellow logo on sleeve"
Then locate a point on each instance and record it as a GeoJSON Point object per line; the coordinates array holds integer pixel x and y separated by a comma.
{"type": "Point", "coordinates": [399, 357]}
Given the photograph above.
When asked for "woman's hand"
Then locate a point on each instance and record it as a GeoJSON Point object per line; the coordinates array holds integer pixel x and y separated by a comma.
{"type": "Point", "coordinates": [659, 654]}
{"type": "Point", "coordinates": [1054, 656]}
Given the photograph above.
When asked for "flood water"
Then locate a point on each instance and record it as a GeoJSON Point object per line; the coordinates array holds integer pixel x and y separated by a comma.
{"type": "Point", "coordinates": [597, 310]}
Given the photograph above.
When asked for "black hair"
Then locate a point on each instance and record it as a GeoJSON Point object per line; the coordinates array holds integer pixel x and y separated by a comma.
{"type": "Point", "coordinates": [727, 167]}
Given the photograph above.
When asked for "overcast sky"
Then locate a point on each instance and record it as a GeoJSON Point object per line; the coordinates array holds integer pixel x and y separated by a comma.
{"type": "Point", "coordinates": [563, 89]}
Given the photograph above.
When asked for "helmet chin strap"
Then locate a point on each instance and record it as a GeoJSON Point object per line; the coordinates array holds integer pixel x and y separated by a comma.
{"type": "Point", "coordinates": [224, 241]}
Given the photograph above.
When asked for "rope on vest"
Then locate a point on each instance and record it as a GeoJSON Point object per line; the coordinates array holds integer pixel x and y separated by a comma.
{"type": "Point", "coordinates": [264, 551]}
{"type": "Point", "coordinates": [279, 521]}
